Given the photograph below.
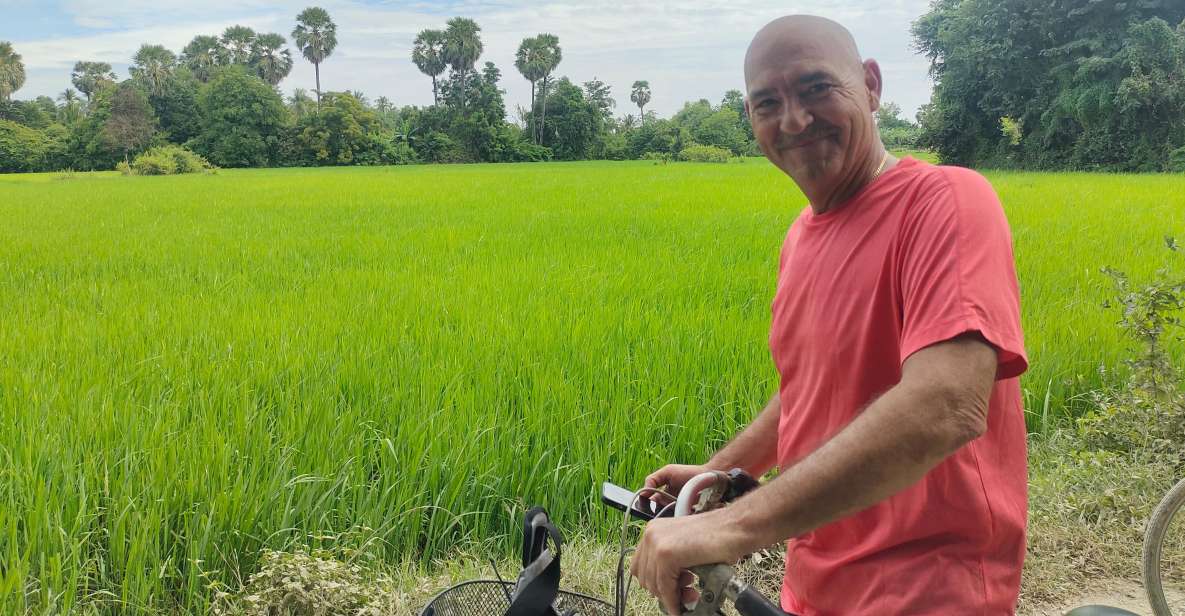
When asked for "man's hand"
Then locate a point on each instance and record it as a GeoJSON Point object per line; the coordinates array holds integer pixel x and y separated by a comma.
{"type": "Point", "coordinates": [671, 546]}
{"type": "Point", "coordinates": [673, 477]}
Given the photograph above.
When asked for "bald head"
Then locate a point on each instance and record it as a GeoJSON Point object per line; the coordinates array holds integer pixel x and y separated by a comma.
{"type": "Point", "coordinates": [795, 36]}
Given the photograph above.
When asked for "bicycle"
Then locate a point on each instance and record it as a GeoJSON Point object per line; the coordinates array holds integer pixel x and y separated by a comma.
{"type": "Point", "coordinates": [1157, 563]}
{"type": "Point", "coordinates": [536, 591]}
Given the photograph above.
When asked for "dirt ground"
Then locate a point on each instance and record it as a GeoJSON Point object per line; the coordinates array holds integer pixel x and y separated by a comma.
{"type": "Point", "coordinates": [1125, 594]}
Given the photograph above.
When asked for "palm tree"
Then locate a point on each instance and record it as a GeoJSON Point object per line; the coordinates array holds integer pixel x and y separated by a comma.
{"type": "Point", "coordinates": [383, 104]}
{"type": "Point", "coordinates": [428, 55]}
{"type": "Point", "coordinates": [12, 71]}
{"type": "Point", "coordinates": [640, 96]}
{"type": "Point", "coordinates": [462, 48]}
{"type": "Point", "coordinates": [316, 36]}
{"type": "Point", "coordinates": [550, 58]}
{"type": "Point", "coordinates": [71, 109]}
{"type": "Point", "coordinates": [153, 64]}
{"type": "Point", "coordinates": [530, 63]}
{"type": "Point", "coordinates": [300, 103]}
{"type": "Point", "coordinates": [201, 55]}
{"type": "Point", "coordinates": [270, 59]}
{"type": "Point", "coordinates": [237, 43]}
{"type": "Point", "coordinates": [88, 77]}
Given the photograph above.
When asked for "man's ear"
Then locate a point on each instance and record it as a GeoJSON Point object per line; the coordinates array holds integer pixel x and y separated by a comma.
{"type": "Point", "coordinates": [874, 83]}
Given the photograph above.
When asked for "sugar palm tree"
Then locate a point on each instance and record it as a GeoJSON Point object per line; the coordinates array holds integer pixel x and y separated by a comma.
{"type": "Point", "coordinates": [300, 103]}
{"type": "Point", "coordinates": [462, 48]}
{"type": "Point", "coordinates": [153, 65]}
{"type": "Point", "coordinates": [201, 55]}
{"type": "Point", "coordinates": [640, 95]}
{"type": "Point", "coordinates": [71, 109]}
{"type": "Point", "coordinates": [551, 55]}
{"type": "Point", "coordinates": [530, 62]}
{"type": "Point", "coordinates": [270, 58]}
{"type": "Point", "coordinates": [428, 55]}
{"type": "Point", "coordinates": [12, 71]}
{"type": "Point", "coordinates": [237, 43]}
{"type": "Point", "coordinates": [315, 35]}
{"type": "Point", "coordinates": [88, 77]}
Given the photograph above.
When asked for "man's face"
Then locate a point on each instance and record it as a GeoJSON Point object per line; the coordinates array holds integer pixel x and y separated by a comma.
{"type": "Point", "coordinates": [811, 114]}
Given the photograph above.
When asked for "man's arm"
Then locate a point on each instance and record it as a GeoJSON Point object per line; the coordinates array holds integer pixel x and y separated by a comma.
{"type": "Point", "coordinates": [940, 405]}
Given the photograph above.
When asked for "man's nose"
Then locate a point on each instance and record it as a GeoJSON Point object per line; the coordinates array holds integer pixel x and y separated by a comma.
{"type": "Point", "coordinates": [795, 118]}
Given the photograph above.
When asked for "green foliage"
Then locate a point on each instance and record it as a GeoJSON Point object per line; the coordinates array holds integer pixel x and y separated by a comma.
{"type": "Point", "coordinates": [28, 149]}
{"type": "Point", "coordinates": [341, 132]}
{"type": "Point", "coordinates": [571, 125]}
{"type": "Point", "coordinates": [896, 132]}
{"type": "Point", "coordinates": [1091, 85]}
{"type": "Point", "coordinates": [166, 160]}
{"type": "Point", "coordinates": [1147, 413]}
{"type": "Point", "coordinates": [656, 136]}
{"type": "Point", "coordinates": [175, 106]}
{"type": "Point", "coordinates": [697, 153]}
{"type": "Point", "coordinates": [721, 129]}
{"type": "Point", "coordinates": [242, 120]}
{"type": "Point", "coordinates": [27, 113]}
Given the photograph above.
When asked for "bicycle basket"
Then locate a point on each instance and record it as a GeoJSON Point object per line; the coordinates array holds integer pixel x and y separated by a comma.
{"type": "Point", "coordinates": [535, 593]}
{"type": "Point", "coordinates": [491, 598]}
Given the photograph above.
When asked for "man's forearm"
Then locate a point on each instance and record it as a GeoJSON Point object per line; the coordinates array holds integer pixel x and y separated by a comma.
{"type": "Point", "coordinates": [890, 446]}
{"type": "Point", "coordinates": [755, 449]}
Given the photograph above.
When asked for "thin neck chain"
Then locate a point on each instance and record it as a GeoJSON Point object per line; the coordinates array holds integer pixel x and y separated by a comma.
{"type": "Point", "coordinates": [881, 168]}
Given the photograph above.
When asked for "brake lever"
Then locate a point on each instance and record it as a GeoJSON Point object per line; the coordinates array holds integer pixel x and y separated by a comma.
{"type": "Point", "coordinates": [713, 586]}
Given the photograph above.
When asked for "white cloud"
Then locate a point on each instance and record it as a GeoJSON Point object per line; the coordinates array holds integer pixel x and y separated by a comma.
{"type": "Point", "coordinates": [686, 49]}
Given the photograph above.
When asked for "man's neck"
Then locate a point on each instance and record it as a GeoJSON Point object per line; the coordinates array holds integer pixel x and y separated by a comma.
{"type": "Point", "coordinates": [837, 195]}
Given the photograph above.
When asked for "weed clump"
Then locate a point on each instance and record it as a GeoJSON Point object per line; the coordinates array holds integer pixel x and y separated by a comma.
{"type": "Point", "coordinates": [296, 584]}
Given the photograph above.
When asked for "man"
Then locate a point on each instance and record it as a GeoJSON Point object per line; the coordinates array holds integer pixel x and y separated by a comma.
{"type": "Point", "coordinates": [898, 426]}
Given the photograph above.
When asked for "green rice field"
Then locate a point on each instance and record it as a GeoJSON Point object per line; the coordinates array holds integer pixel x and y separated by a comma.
{"type": "Point", "coordinates": [393, 361]}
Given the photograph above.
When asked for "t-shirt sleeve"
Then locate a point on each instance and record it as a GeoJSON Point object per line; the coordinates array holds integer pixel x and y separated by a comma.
{"type": "Point", "coordinates": [956, 272]}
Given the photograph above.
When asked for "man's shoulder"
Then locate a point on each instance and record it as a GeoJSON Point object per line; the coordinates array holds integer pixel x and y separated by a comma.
{"type": "Point", "coordinates": [950, 186]}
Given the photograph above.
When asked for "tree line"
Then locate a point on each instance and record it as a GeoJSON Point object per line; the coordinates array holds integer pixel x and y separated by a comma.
{"type": "Point", "coordinates": [1059, 84]}
{"type": "Point", "coordinates": [219, 98]}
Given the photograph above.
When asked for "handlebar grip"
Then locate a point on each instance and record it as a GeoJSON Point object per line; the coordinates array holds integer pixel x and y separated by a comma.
{"type": "Point", "coordinates": [752, 603]}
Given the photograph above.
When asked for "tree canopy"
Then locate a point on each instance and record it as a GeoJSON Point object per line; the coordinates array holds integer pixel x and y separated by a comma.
{"type": "Point", "coordinates": [1053, 85]}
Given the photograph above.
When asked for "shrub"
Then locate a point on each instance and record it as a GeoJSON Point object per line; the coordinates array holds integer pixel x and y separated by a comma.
{"type": "Point", "coordinates": [1148, 412]}
{"type": "Point", "coordinates": [657, 157]}
{"type": "Point", "coordinates": [154, 162]}
{"type": "Point", "coordinates": [166, 160]}
{"type": "Point", "coordinates": [705, 154]}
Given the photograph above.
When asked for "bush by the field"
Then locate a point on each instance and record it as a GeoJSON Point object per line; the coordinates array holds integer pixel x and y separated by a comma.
{"type": "Point", "coordinates": [705, 154]}
{"type": "Point", "coordinates": [165, 160]}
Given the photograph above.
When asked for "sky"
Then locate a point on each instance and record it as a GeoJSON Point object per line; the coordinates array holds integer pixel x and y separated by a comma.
{"type": "Point", "coordinates": [687, 49]}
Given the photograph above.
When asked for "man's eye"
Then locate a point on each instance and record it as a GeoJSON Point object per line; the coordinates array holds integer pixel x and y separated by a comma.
{"type": "Point", "coordinates": [818, 88]}
{"type": "Point", "coordinates": [766, 103]}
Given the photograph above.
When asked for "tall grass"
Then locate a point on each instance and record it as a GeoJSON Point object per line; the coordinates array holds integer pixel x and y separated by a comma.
{"type": "Point", "coordinates": [389, 362]}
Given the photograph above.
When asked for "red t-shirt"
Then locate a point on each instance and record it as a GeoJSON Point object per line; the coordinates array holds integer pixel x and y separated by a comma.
{"type": "Point", "coordinates": [920, 255]}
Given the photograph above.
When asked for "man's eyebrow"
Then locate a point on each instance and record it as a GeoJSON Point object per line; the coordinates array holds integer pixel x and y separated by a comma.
{"type": "Point", "coordinates": [813, 77]}
{"type": "Point", "coordinates": [760, 93]}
